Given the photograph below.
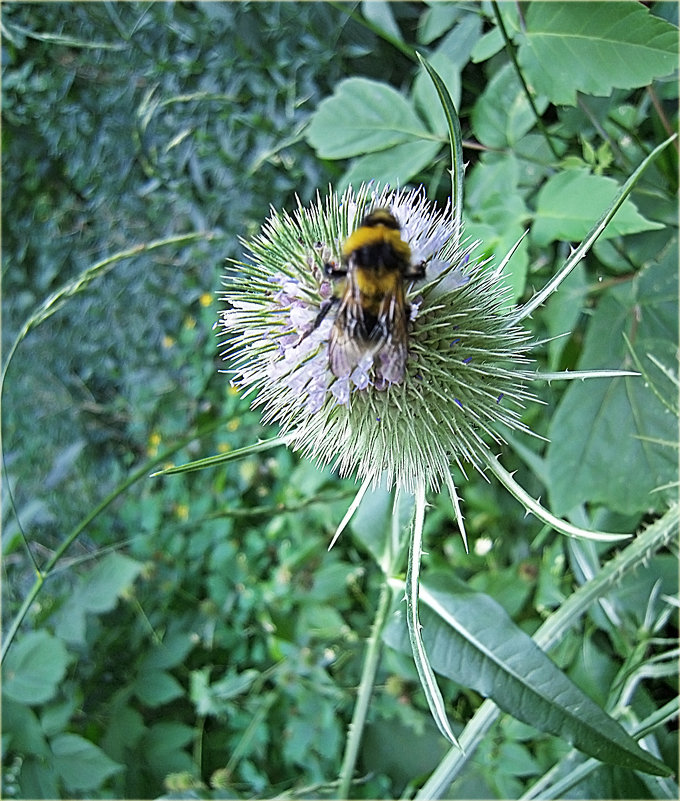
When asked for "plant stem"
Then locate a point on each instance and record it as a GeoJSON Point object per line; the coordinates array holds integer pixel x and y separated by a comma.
{"type": "Point", "coordinates": [368, 674]}
{"type": "Point", "coordinates": [513, 58]}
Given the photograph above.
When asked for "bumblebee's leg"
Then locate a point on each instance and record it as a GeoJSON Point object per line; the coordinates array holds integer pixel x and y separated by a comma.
{"type": "Point", "coordinates": [325, 307]}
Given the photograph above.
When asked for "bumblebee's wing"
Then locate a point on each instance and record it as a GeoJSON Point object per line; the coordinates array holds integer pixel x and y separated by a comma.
{"type": "Point", "coordinates": [390, 361]}
{"type": "Point", "coordinates": [346, 349]}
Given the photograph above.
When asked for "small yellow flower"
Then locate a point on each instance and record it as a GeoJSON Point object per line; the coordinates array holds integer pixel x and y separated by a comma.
{"type": "Point", "coordinates": [154, 442]}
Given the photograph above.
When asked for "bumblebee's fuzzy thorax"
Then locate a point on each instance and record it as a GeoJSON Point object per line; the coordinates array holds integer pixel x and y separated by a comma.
{"type": "Point", "coordinates": [377, 243]}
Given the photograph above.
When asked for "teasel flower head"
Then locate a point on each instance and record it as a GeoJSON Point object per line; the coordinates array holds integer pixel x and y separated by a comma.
{"type": "Point", "coordinates": [466, 370]}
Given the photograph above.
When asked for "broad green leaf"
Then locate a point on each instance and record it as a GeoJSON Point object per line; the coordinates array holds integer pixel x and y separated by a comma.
{"type": "Point", "coordinates": [600, 449]}
{"type": "Point", "coordinates": [493, 41]}
{"type": "Point", "coordinates": [394, 166]}
{"type": "Point", "coordinates": [124, 730]}
{"type": "Point", "coordinates": [569, 202]}
{"type": "Point", "coordinates": [363, 116]}
{"type": "Point", "coordinates": [460, 41]}
{"type": "Point", "coordinates": [34, 668]}
{"type": "Point", "coordinates": [38, 779]}
{"type": "Point", "coordinates": [164, 748]}
{"type": "Point", "coordinates": [97, 592]}
{"type": "Point", "coordinates": [170, 652]}
{"type": "Point", "coordinates": [157, 688]}
{"type": "Point", "coordinates": [497, 239]}
{"type": "Point", "coordinates": [594, 48]}
{"type": "Point", "coordinates": [502, 114]}
{"type": "Point", "coordinates": [379, 12]}
{"type": "Point", "coordinates": [436, 21]}
{"type": "Point", "coordinates": [21, 730]}
{"type": "Point", "coordinates": [81, 765]}
{"type": "Point", "coordinates": [470, 639]}
{"type": "Point", "coordinates": [498, 217]}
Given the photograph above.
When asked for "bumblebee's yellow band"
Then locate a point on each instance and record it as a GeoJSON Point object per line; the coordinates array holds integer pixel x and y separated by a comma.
{"type": "Point", "coordinates": [366, 236]}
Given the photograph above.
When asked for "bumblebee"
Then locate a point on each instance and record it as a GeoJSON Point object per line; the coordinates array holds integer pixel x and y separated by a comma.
{"type": "Point", "coordinates": [371, 323]}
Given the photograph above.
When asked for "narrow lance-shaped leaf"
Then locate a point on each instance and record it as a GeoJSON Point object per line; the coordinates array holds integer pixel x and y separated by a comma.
{"type": "Point", "coordinates": [472, 640]}
{"type": "Point", "coordinates": [456, 139]}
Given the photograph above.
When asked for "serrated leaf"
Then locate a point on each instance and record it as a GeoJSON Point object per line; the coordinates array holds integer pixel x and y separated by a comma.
{"type": "Point", "coordinates": [594, 48]}
{"type": "Point", "coordinates": [470, 639]}
{"type": "Point", "coordinates": [81, 765]}
{"type": "Point", "coordinates": [34, 667]}
{"type": "Point", "coordinates": [363, 116]}
{"type": "Point", "coordinates": [569, 202]}
{"type": "Point", "coordinates": [599, 448]}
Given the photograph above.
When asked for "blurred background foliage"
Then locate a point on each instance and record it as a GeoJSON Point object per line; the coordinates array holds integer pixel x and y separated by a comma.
{"type": "Point", "coordinates": [197, 638]}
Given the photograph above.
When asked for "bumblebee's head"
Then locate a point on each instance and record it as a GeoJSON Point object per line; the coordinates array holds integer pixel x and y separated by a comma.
{"type": "Point", "coordinates": [380, 217]}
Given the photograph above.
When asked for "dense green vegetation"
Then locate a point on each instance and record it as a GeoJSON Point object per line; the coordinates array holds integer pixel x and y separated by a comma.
{"type": "Point", "coordinates": [190, 635]}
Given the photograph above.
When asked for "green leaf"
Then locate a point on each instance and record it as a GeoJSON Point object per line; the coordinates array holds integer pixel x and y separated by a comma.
{"type": "Point", "coordinates": [21, 730]}
{"type": "Point", "coordinates": [211, 699]}
{"type": "Point", "coordinates": [379, 12]}
{"type": "Point", "coordinates": [425, 94]}
{"type": "Point", "coordinates": [38, 779]}
{"type": "Point", "coordinates": [81, 765]}
{"type": "Point", "coordinates": [599, 437]}
{"type": "Point", "coordinates": [470, 639]}
{"type": "Point", "coordinates": [363, 116]}
{"type": "Point", "coordinates": [157, 688]}
{"type": "Point", "coordinates": [170, 652]}
{"type": "Point", "coordinates": [34, 667]}
{"type": "Point", "coordinates": [124, 730]}
{"type": "Point", "coordinates": [436, 21]}
{"type": "Point", "coordinates": [594, 48]}
{"type": "Point", "coordinates": [502, 114]}
{"type": "Point", "coordinates": [394, 166]}
{"type": "Point", "coordinates": [164, 748]}
{"type": "Point", "coordinates": [569, 202]}
{"type": "Point", "coordinates": [456, 142]}
{"type": "Point", "coordinates": [563, 310]}
{"type": "Point", "coordinates": [97, 592]}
